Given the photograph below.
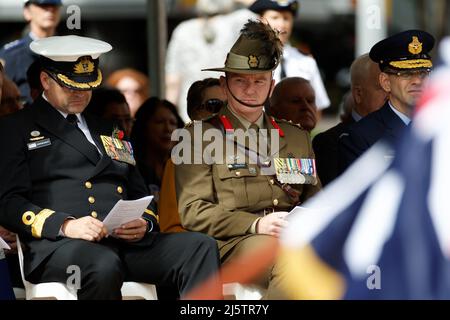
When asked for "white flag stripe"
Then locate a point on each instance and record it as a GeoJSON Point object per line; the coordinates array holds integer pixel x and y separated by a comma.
{"type": "Point", "coordinates": [433, 117]}
{"type": "Point", "coordinates": [337, 196]}
{"type": "Point", "coordinates": [438, 196]}
{"type": "Point", "coordinates": [374, 224]}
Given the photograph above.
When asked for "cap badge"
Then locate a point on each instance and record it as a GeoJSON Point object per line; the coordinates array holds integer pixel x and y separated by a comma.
{"type": "Point", "coordinates": [415, 47]}
{"type": "Point", "coordinates": [253, 61]}
{"type": "Point", "coordinates": [84, 66]}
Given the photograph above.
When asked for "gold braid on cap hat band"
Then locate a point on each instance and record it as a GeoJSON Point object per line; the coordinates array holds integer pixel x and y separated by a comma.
{"type": "Point", "coordinates": [87, 85]}
{"type": "Point", "coordinates": [411, 64]}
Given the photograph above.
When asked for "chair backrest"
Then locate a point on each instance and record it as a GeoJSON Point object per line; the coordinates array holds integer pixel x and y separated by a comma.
{"type": "Point", "coordinates": [20, 254]}
{"type": "Point", "coordinates": [48, 290]}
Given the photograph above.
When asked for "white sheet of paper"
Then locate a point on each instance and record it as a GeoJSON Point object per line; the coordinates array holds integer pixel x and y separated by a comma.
{"type": "Point", "coordinates": [4, 245]}
{"type": "Point", "coordinates": [125, 211]}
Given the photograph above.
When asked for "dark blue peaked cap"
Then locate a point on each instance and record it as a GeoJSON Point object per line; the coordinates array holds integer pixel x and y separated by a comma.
{"type": "Point", "coordinates": [42, 2]}
{"type": "Point", "coordinates": [259, 6]}
{"type": "Point", "coordinates": [408, 50]}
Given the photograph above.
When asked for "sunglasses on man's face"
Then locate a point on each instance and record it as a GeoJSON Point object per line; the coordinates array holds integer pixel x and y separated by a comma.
{"type": "Point", "coordinates": [212, 105]}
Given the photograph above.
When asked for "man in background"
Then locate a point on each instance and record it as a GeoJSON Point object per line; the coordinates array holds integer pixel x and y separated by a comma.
{"type": "Point", "coordinates": [366, 96]}
{"type": "Point", "coordinates": [43, 17]}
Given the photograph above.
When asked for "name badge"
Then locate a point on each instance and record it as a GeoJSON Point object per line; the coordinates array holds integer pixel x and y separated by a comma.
{"type": "Point", "coordinates": [119, 150]}
{"type": "Point", "coordinates": [39, 144]}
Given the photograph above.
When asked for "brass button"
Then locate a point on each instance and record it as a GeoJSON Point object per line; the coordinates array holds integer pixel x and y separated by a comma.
{"type": "Point", "coordinates": [28, 218]}
{"type": "Point", "coordinates": [238, 173]}
{"type": "Point", "coordinates": [94, 214]}
{"type": "Point", "coordinates": [272, 182]}
{"type": "Point", "coordinates": [275, 202]}
{"type": "Point", "coordinates": [119, 189]}
{"type": "Point", "coordinates": [91, 200]}
{"type": "Point", "coordinates": [88, 185]}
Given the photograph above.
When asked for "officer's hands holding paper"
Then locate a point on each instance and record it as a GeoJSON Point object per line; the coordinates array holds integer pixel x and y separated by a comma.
{"type": "Point", "coordinates": [123, 221]}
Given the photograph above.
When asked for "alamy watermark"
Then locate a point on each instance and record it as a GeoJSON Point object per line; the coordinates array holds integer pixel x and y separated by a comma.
{"type": "Point", "coordinates": [74, 279]}
{"type": "Point", "coordinates": [73, 21]}
{"type": "Point", "coordinates": [373, 16]}
{"type": "Point", "coordinates": [373, 282]}
{"type": "Point", "coordinates": [240, 146]}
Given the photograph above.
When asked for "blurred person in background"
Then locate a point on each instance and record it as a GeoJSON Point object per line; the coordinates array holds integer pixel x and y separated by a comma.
{"type": "Point", "coordinates": [280, 15]}
{"type": "Point", "coordinates": [293, 99]}
{"type": "Point", "coordinates": [366, 96]}
{"type": "Point", "coordinates": [110, 104]}
{"type": "Point", "coordinates": [199, 43]}
{"type": "Point", "coordinates": [11, 100]}
{"type": "Point", "coordinates": [205, 98]}
{"type": "Point", "coordinates": [34, 81]}
{"type": "Point", "coordinates": [43, 17]}
{"type": "Point", "coordinates": [154, 123]}
{"type": "Point", "coordinates": [133, 84]}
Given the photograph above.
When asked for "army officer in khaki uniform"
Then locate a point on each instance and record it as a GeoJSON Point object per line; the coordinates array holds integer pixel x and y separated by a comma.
{"type": "Point", "coordinates": [235, 199]}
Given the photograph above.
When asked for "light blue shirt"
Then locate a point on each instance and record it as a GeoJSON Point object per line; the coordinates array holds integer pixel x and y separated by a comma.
{"type": "Point", "coordinates": [406, 120]}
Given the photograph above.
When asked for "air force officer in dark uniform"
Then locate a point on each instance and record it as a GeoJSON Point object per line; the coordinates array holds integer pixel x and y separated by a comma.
{"type": "Point", "coordinates": [61, 173]}
{"type": "Point", "coordinates": [405, 64]}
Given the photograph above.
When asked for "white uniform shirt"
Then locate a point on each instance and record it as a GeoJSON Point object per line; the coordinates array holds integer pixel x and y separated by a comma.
{"type": "Point", "coordinates": [81, 124]}
{"type": "Point", "coordinates": [296, 64]}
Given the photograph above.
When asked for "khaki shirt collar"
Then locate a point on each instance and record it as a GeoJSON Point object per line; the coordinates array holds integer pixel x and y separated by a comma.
{"type": "Point", "coordinates": [245, 123]}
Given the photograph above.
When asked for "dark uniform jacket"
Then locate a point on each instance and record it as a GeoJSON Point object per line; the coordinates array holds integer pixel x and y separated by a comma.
{"type": "Point", "coordinates": [224, 201]}
{"type": "Point", "coordinates": [381, 124]}
{"type": "Point", "coordinates": [18, 57]}
{"type": "Point", "coordinates": [41, 187]}
{"type": "Point", "coordinates": [325, 147]}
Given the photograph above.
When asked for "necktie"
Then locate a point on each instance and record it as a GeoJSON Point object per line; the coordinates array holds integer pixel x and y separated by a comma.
{"type": "Point", "coordinates": [73, 120]}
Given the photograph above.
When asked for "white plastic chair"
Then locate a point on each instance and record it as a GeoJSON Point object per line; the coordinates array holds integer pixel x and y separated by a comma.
{"type": "Point", "coordinates": [243, 292]}
{"type": "Point", "coordinates": [59, 291]}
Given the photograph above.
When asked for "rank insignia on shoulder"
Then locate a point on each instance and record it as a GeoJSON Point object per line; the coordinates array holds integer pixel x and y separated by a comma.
{"type": "Point", "coordinates": [296, 171]}
{"type": "Point", "coordinates": [118, 149]}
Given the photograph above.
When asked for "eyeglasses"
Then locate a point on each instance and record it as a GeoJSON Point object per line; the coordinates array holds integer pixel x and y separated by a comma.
{"type": "Point", "coordinates": [408, 75]}
{"type": "Point", "coordinates": [212, 105]}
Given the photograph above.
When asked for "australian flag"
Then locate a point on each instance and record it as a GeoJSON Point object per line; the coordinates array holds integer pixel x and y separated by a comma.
{"type": "Point", "coordinates": [382, 231]}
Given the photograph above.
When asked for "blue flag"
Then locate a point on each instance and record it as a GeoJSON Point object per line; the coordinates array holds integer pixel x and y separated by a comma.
{"type": "Point", "coordinates": [381, 231]}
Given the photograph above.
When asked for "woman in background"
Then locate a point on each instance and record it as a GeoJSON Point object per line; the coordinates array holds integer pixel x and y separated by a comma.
{"type": "Point", "coordinates": [154, 123]}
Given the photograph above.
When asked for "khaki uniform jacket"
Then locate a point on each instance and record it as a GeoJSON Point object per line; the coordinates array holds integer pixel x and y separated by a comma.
{"type": "Point", "coordinates": [224, 202]}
